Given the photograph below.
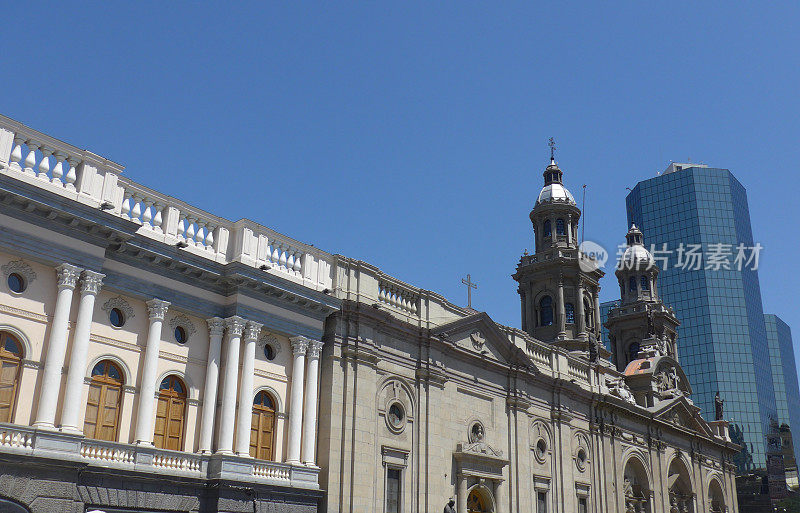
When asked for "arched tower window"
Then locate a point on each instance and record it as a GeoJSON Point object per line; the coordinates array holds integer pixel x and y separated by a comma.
{"type": "Point", "coordinates": [546, 311]}
{"type": "Point", "coordinates": [170, 414]}
{"type": "Point", "coordinates": [569, 310]}
{"type": "Point", "coordinates": [633, 351]}
{"type": "Point", "coordinates": [548, 228]}
{"type": "Point", "coordinates": [560, 230]}
{"type": "Point", "coordinates": [104, 402]}
{"type": "Point", "coordinates": [645, 283]}
{"type": "Point", "coordinates": [262, 427]}
{"type": "Point", "coordinates": [10, 366]}
{"type": "Point", "coordinates": [632, 284]}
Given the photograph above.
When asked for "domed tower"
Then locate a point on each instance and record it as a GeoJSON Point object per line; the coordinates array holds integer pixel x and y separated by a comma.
{"type": "Point", "coordinates": [640, 324]}
{"type": "Point", "coordinates": [559, 293]}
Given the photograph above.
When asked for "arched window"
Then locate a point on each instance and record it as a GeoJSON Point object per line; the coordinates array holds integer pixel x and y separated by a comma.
{"type": "Point", "coordinates": [262, 427]}
{"type": "Point", "coordinates": [633, 351]}
{"type": "Point", "coordinates": [546, 311]}
{"type": "Point", "coordinates": [632, 283]}
{"type": "Point", "coordinates": [104, 402]}
{"type": "Point", "coordinates": [476, 502]}
{"type": "Point", "coordinates": [10, 365]}
{"type": "Point", "coordinates": [569, 310]}
{"type": "Point", "coordinates": [170, 414]}
{"type": "Point", "coordinates": [560, 230]}
{"type": "Point", "coordinates": [548, 228]}
{"type": "Point", "coordinates": [645, 283]}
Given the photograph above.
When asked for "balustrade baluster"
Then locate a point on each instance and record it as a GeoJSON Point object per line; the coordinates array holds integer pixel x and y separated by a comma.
{"type": "Point", "coordinates": [282, 261]}
{"type": "Point", "coordinates": [190, 230]}
{"type": "Point", "coordinates": [275, 253]}
{"type": "Point", "coordinates": [147, 213]}
{"type": "Point", "coordinates": [58, 171]}
{"type": "Point", "coordinates": [72, 174]}
{"type": "Point", "coordinates": [125, 209]}
{"type": "Point", "coordinates": [136, 211]}
{"type": "Point", "coordinates": [298, 261]}
{"type": "Point", "coordinates": [30, 160]}
{"type": "Point", "coordinates": [16, 154]}
{"type": "Point", "coordinates": [201, 233]}
{"type": "Point", "coordinates": [157, 219]}
{"type": "Point", "coordinates": [44, 165]}
{"type": "Point", "coordinates": [210, 237]}
{"type": "Point", "coordinates": [289, 261]}
{"type": "Point", "coordinates": [181, 226]}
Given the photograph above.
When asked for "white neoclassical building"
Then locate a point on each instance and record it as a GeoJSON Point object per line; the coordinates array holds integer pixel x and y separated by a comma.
{"type": "Point", "coordinates": [157, 358]}
{"type": "Point", "coordinates": [154, 356]}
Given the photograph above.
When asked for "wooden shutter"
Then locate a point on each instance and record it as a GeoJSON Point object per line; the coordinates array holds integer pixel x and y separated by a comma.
{"type": "Point", "coordinates": [103, 403]}
{"type": "Point", "coordinates": [10, 364]}
{"type": "Point", "coordinates": [262, 428]}
{"type": "Point", "coordinates": [170, 414]}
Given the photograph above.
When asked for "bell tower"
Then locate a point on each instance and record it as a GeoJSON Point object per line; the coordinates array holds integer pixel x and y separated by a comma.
{"type": "Point", "coordinates": [559, 290]}
{"type": "Point", "coordinates": [640, 325]}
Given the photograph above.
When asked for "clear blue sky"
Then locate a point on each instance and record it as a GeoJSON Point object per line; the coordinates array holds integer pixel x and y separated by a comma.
{"type": "Point", "coordinates": [414, 136]}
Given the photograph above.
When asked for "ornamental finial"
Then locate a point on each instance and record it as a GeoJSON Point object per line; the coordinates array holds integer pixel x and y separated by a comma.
{"type": "Point", "coordinates": [552, 145]}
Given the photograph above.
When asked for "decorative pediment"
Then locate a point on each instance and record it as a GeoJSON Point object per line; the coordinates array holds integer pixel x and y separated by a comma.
{"type": "Point", "coordinates": [479, 335]}
{"type": "Point", "coordinates": [684, 415]}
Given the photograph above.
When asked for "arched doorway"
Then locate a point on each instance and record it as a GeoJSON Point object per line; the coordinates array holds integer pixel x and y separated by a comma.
{"type": "Point", "coordinates": [262, 427]}
{"type": "Point", "coordinates": [104, 402]}
{"type": "Point", "coordinates": [170, 414]}
{"type": "Point", "coordinates": [681, 497]}
{"type": "Point", "coordinates": [636, 487]}
{"type": "Point", "coordinates": [10, 365]}
{"type": "Point", "coordinates": [716, 498]}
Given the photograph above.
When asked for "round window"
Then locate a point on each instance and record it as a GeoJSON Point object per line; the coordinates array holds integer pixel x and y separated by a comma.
{"type": "Point", "coordinates": [180, 335]}
{"type": "Point", "coordinates": [269, 352]}
{"type": "Point", "coordinates": [581, 459]}
{"type": "Point", "coordinates": [116, 317]}
{"type": "Point", "coordinates": [541, 449]}
{"type": "Point", "coordinates": [396, 416]}
{"type": "Point", "coordinates": [16, 283]}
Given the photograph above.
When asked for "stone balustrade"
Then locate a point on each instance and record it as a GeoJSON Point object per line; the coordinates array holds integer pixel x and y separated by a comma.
{"type": "Point", "coordinates": [398, 295]}
{"type": "Point", "coordinates": [144, 458]}
{"type": "Point", "coordinates": [58, 167]}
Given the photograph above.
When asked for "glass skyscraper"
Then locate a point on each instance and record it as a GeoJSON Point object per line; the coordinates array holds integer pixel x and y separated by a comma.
{"type": "Point", "coordinates": [784, 374]}
{"type": "Point", "coordinates": [696, 221]}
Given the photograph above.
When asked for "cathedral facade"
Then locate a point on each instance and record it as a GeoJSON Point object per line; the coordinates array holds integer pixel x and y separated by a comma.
{"type": "Point", "coordinates": [158, 358]}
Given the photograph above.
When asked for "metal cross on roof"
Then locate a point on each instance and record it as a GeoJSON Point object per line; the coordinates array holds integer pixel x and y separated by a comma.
{"type": "Point", "coordinates": [552, 145]}
{"type": "Point", "coordinates": [470, 285]}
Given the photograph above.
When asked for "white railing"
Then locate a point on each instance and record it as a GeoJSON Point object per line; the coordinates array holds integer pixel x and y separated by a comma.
{"type": "Point", "coordinates": [58, 167]}
{"type": "Point", "coordinates": [17, 438]}
{"type": "Point", "coordinates": [185, 462]}
{"type": "Point", "coordinates": [396, 294]}
{"type": "Point", "coordinates": [272, 471]}
{"type": "Point", "coordinates": [106, 452]}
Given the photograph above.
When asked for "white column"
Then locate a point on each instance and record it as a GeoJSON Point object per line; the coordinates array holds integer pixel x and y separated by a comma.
{"type": "Point", "coordinates": [246, 389]}
{"type": "Point", "coordinates": [310, 413]}
{"type": "Point", "coordinates": [157, 310]}
{"type": "Point", "coordinates": [70, 410]}
{"type": "Point", "coordinates": [227, 416]}
{"type": "Point", "coordinates": [216, 327]}
{"type": "Point", "coordinates": [56, 347]}
{"type": "Point", "coordinates": [299, 347]}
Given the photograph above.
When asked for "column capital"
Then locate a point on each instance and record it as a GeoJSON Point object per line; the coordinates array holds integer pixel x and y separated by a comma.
{"type": "Point", "coordinates": [252, 330]}
{"type": "Point", "coordinates": [157, 309]}
{"type": "Point", "coordinates": [314, 348]}
{"type": "Point", "coordinates": [235, 325]}
{"type": "Point", "coordinates": [216, 325]}
{"type": "Point", "coordinates": [67, 276]}
{"type": "Point", "coordinates": [299, 345]}
{"type": "Point", "coordinates": [91, 282]}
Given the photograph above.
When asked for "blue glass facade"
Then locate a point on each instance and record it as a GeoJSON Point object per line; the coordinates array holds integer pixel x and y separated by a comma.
{"type": "Point", "coordinates": [722, 342]}
{"type": "Point", "coordinates": [784, 374]}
